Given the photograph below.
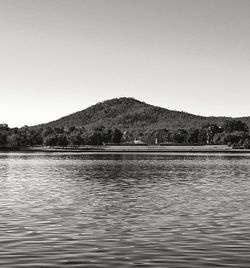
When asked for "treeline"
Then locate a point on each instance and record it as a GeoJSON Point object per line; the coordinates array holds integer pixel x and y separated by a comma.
{"type": "Point", "coordinates": [48, 136]}
{"type": "Point", "coordinates": [233, 133]}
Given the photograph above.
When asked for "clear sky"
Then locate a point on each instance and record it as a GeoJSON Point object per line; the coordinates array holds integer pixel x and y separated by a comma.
{"type": "Point", "coordinates": [58, 57]}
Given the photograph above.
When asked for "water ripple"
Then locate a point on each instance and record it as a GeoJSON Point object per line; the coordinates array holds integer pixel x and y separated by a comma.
{"type": "Point", "coordinates": [74, 210]}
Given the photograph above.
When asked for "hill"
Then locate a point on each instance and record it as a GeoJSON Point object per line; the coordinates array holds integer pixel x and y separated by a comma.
{"type": "Point", "coordinates": [132, 114]}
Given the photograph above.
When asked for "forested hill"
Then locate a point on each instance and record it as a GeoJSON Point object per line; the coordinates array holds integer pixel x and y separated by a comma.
{"type": "Point", "coordinates": [131, 114]}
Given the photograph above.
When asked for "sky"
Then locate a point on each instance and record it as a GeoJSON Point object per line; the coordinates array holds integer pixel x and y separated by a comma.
{"type": "Point", "coordinates": [61, 56]}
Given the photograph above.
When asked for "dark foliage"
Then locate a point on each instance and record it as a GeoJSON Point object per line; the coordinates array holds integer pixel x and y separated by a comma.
{"type": "Point", "coordinates": [125, 120]}
{"type": "Point", "coordinates": [128, 114]}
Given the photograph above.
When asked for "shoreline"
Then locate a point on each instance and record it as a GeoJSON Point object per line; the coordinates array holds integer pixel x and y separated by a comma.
{"type": "Point", "coordinates": [132, 149]}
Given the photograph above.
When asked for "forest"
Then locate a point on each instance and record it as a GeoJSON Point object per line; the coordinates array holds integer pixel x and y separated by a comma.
{"type": "Point", "coordinates": [126, 120]}
{"type": "Point", "coordinates": [232, 133]}
{"type": "Point", "coordinates": [129, 114]}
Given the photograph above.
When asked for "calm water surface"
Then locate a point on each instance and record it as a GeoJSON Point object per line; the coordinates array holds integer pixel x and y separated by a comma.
{"type": "Point", "coordinates": [73, 210]}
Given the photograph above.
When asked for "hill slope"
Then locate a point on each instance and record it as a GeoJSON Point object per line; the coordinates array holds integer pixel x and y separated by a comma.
{"type": "Point", "coordinates": [129, 113]}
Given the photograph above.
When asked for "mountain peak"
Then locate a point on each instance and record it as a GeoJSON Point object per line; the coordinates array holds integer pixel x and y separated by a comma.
{"type": "Point", "coordinates": [127, 100]}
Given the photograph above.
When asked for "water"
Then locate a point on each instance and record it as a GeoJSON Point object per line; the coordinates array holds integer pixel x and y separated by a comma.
{"type": "Point", "coordinates": [121, 210]}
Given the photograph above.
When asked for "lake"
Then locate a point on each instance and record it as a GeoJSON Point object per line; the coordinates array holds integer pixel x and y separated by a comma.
{"type": "Point", "coordinates": [124, 210]}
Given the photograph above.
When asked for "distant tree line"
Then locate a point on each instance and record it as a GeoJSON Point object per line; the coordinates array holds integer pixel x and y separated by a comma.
{"type": "Point", "coordinates": [62, 137]}
{"type": "Point", "coordinates": [232, 132]}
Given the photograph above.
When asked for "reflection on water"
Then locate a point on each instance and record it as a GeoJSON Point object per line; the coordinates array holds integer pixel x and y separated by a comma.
{"type": "Point", "coordinates": [73, 210]}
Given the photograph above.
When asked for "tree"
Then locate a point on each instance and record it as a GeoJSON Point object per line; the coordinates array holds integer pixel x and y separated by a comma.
{"type": "Point", "coordinates": [3, 139]}
{"type": "Point", "coordinates": [246, 144]}
{"type": "Point", "coordinates": [207, 133]}
{"type": "Point", "coordinates": [75, 138]}
{"type": "Point", "coordinates": [50, 140]}
{"type": "Point", "coordinates": [46, 132]}
{"type": "Point", "coordinates": [92, 138]}
{"type": "Point", "coordinates": [127, 136]}
{"type": "Point", "coordinates": [219, 138]}
{"type": "Point", "coordinates": [13, 140]}
{"type": "Point", "coordinates": [234, 125]}
{"type": "Point", "coordinates": [58, 130]}
{"type": "Point", "coordinates": [160, 135]}
{"type": "Point", "coordinates": [179, 136]}
{"type": "Point", "coordinates": [193, 136]}
{"type": "Point", "coordinates": [234, 137]}
{"type": "Point", "coordinates": [36, 136]}
{"type": "Point", "coordinates": [116, 136]}
{"type": "Point", "coordinates": [4, 132]}
{"type": "Point", "coordinates": [62, 140]}
{"type": "Point", "coordinates": [106, 135]}
{"type": "Point", "coordinates": [72, 129]}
